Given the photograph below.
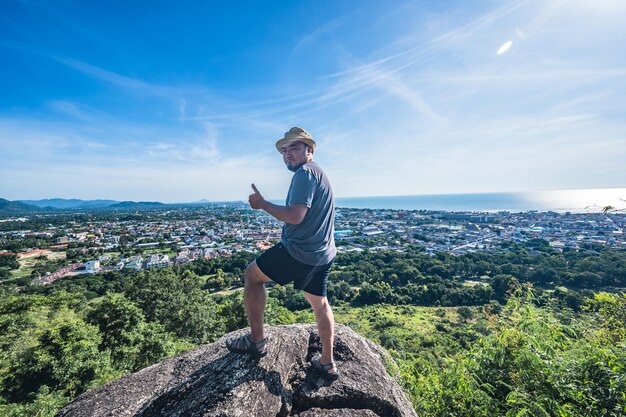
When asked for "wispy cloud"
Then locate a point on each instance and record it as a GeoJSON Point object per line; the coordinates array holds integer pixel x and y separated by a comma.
{"type": "Point", "coordinates": [421, 50]}
{"type": "Point", "coordinates": [313, 37]}
{"type": "Point", "coordinates": [379, 75]}
{"type": "Point", "coordinates": [75, 110]}
{"type": "Point", "coordinates": [117, 79]}
{"type": "Point", "coordinates": [196, 149]}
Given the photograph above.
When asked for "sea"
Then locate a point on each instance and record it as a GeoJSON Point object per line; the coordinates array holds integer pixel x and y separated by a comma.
{"type": "Point", "coordinates": [561, 201]}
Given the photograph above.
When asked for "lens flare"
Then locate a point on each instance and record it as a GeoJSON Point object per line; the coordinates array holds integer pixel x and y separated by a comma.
{"type": "Point", "coordinates": [505, 47]}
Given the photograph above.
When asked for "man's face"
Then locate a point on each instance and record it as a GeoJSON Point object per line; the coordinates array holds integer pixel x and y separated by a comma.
{"type": "Point", "coordinates": [295, 154]}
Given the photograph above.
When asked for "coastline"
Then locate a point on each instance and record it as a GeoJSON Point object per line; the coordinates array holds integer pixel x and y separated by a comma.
{"type": "Point", "coordinates": [561, 201]}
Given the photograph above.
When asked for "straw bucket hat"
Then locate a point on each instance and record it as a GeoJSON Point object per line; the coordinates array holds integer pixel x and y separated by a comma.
{"type": "Point", "coordinates": [295, 134]}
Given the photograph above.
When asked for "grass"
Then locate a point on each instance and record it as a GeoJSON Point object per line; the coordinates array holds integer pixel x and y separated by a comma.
{"type": "Point", "coordinates": [55, 256]}
{"type": "Point", "coordinates": [168, 252]}
{"type": "Point", "coordinates": [375, 322]}
{"type": "Point", "coordinates": [27, 265]}
{"type": "Point", "coordinates": [205, 278]}
{"type": "Point", "coordinates": [23, 271]}
{"type": "Point", "coordinates": [407, 331]}
{"type": "Point", "coordinates": [473, 283]}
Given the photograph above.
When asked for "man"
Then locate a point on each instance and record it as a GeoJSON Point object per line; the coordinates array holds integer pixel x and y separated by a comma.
{"type": "Point", "coordinates": [303, 256]}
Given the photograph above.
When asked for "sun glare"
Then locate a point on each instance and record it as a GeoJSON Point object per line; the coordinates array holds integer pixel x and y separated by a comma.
{"type": "Point", "coordinates": [505, 47]}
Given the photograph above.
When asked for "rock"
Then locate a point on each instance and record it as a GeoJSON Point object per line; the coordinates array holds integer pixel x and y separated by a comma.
{"type": "Point", "coordinates": [210, 381]}
{"type": "Point", "coordinates": [321, 412]}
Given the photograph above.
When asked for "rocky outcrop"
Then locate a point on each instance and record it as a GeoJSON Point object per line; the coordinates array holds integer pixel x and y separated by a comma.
{"type": "Point", "coordinates": [210, 381]}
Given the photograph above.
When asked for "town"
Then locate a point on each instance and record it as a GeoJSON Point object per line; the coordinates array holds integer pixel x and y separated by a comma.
{"type": "Point", "coordinates": [92, 242]}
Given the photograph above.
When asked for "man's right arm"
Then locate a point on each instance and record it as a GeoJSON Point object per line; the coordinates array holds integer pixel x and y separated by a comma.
{"type": "Point", "coordinates": [288, 214]}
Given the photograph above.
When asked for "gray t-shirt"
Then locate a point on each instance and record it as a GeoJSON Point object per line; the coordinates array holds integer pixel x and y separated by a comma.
{"type": "Point", "coordinates": [311, 242]}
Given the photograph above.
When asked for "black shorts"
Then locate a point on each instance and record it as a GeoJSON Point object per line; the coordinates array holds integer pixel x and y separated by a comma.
{"type": "Point", "coordinates": [282, 268]}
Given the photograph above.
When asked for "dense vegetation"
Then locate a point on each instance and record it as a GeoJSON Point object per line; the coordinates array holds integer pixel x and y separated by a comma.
{"type": "Point", "coordinates": [529, 331]}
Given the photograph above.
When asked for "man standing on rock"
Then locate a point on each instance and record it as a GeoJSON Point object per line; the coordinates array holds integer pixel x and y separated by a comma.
{"type": "Point", "coordinates": [304, 255]}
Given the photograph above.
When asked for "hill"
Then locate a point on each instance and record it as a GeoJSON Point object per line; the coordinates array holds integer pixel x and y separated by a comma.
{"type": "Point", "coordinates": [73, 203]}
{"type": "Point", "coordinates": [9, 208]}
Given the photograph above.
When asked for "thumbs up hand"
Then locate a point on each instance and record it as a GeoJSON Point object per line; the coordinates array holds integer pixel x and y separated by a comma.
{"type": "Point", "coordinates": [255, 199]}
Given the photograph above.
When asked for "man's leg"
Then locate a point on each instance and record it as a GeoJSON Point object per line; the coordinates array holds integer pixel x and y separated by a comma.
{"type": "Point", "coordinates": [325, 326]}
{"type": "Point", "coordinates": [255, 299]}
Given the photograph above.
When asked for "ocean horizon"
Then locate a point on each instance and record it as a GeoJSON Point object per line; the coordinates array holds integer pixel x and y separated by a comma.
{"type": "Point", "coordinates": [574, 201]}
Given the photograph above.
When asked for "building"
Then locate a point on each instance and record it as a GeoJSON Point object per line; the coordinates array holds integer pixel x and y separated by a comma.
{"type": "Point", "coordinates": [135, 262]}
{"type": "Point", "coordinates": [157, 261]}
{"type": "Point", "coordinates": [92, 267]}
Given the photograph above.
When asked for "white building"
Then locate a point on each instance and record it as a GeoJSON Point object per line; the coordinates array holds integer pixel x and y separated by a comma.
{"type": "Point", "coordinates": [92, 267]}
{"type": "Point", "coordinates": [157, 261]}
{"type": "Point", "coordinates": [135, 262]}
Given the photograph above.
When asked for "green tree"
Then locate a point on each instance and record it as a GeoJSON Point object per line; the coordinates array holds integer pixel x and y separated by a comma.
{"type": "Point", "coordinates": [177, 302]}
{"type": "Point", "coordinates": [379, 292]}
{"type": "Point", "coordinates": [9, 261]}
{"type": "Point", "coordinates": [231, 309]}
{"type": "Point", "coordinates": [502, 284]}
{"type": "Point", "coordinates": [66, 359]}
{"type": "Point", "coordinates": [4, 274]}
{"type": "Point", "coordinates": [133, 343]}
{"type": "Point", "coordinates": [465, 313]}
{"type": "Point", "coordinates": [531, 364]}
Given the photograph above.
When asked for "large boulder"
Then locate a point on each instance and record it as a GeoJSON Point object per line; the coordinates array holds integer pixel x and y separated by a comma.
{"type": "Point", "coordinates": [210, 381]}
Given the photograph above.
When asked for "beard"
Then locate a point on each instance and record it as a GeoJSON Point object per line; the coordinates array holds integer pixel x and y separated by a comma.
{"type": "Point", "coordinates": [294, 168]}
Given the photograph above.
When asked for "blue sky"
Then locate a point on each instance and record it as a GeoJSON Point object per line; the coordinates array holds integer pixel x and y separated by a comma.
{"type": "Point", "coordinates": [179, 101]}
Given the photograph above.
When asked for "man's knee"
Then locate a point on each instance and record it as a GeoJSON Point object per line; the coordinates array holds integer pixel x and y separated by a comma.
{"type": "Point", "coordinates": [254, 275]}
{"type": "Point", "coordinates": [318, 303]}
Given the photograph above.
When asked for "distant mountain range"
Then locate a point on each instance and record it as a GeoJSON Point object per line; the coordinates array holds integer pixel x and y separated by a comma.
{"type": "Point", "coordinates": [16, 207]}
{"type": "Point", "coordinates": [10, 208]}
{"type": "Point", "coordinates": [62, 203]}
{"type": "Point", "coordinates": [136, 205]}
